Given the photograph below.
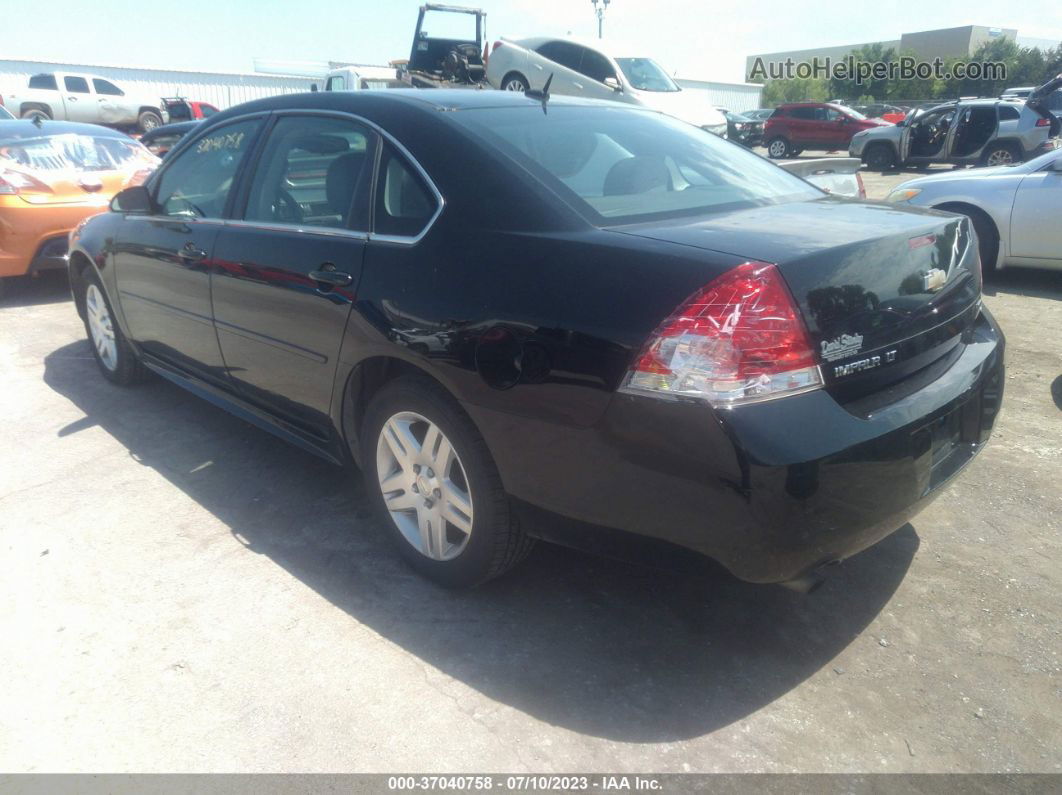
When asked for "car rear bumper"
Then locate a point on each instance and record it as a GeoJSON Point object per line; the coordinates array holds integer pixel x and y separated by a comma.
{"type": "Point", "coordinates": [770, 490]}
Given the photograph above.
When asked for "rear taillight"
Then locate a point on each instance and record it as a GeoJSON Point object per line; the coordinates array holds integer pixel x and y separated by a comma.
{"type": "Point", "coordinates": [1043, 122]}
{"type": "Point", "coordinates": [737, 340]}
{"type": "Point", "coordinates": [862, 187]}
{"type": "Point", "coordinates": [13, 183]}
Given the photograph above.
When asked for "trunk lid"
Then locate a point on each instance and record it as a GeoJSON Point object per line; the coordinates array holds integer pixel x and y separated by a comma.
{"type": "Point", "coordinates": [884, 291]}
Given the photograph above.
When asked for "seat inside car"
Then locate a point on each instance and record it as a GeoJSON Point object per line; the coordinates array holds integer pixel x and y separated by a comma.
{"type": "Point", "coordinates": [341, 180]}
{"type": "Point", "coordinates": [639, 174]}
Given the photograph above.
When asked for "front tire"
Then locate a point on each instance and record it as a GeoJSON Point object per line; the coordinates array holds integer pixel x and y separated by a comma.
{"type": "Point", "coordinates": [514, 81]}
{"type": "Point", "coordinates": [35, 113]}
{"type": "Point", "coordinates": [113, 354]}
{"type": "Point", "coordinates": [778, 148]}
{"type": "Point", "coordinates": [434, 484]}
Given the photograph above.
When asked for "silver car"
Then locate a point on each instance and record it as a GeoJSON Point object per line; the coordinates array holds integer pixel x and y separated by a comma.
{"type": "Point", "coordinates": [589, 69]}
{"type": "Point", "coordinates": [966, 132]}
{"type": "Point", "coordinates": [1015, 210]}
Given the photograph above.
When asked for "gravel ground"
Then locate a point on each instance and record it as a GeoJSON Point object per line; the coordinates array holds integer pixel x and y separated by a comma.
{"type": "Point", "coordinates": [183, 592]}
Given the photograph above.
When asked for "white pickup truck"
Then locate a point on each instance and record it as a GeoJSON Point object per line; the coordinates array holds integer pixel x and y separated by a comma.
{"type": "Point", "coordinates": [66, 96]}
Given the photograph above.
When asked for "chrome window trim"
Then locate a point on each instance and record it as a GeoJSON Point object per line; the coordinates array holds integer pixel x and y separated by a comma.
{"type": "Point", "coordinates": [308, 229]}
{"type": "Point", "coordinates": [403, 240]}
{"type": "Point", "coordinates": [440, 201]}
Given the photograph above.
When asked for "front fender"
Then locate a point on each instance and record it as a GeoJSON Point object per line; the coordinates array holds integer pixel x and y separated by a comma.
{"type": "Point", "coordinates": [91, 245]}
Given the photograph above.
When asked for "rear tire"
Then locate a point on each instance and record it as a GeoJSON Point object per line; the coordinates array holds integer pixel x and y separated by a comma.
{"type": "Point", "coordinates": [1001, 153]}
{"type": "Point", "coordinates": [113, 354]}
{"type": "Point", "coordinates": [148, 120]}
{"type": "Point", "coordinates": [778, 148]}
{"type": "Point", "coordinates": [36, 113]}
{"type": "Point", "coordinates": [514, 81]}
{"type": "Point", "coordinates": [410, 427]}
{"type": "Point", "coordinates": [880, 158]}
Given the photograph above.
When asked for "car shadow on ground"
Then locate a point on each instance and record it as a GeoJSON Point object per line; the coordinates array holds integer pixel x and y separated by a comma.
{"type": "Point", "coordinates": [48, 287]}
{"type": "Point", "coordinates": [1038, 283]}
{"type": "Point", "coordinates": [606, 648]}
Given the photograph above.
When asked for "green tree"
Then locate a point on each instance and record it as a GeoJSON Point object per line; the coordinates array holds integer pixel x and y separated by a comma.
{"type": "Point", "coordinates": [796, 90]}
{"type": "Point", "coordinates": [850, 89]}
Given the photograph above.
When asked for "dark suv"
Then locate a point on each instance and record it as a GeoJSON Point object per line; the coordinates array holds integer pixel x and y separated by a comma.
{"type": "Point", "coordinates": [795, 127]}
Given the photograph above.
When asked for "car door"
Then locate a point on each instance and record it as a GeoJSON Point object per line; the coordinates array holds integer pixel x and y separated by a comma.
{"type": "Point", "coordinates": [971, 130]}
{"type": "Point", "coordinates": [1035, 232]}
{"type": "Point", "coordinates": [800, 123]}
{"type": "Point", "coordinates": [837, 129]}
{"type": "Point", "coordinates": [79, 100]}
{"type": "Point", "coordinates": [595, 68]}
{"type": "Point", "coordinates": [111, 105]}
{"type": "Point", "coordinates": [163, 260]}
{"type": "Point", "coordinates": [287, 268]}
{"type": "Point", "coordinates": [561, 60]}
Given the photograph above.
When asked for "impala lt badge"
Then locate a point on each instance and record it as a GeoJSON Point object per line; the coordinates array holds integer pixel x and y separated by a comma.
{"type": "Point", "coordinates": [845, 345]}
{"type": "Point", "coordinates": [864, 364]}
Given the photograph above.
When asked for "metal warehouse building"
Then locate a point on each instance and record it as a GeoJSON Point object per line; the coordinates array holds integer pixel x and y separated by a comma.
{"type": "Point", "coordinates": [221, 89]}
{"type": "Point", "coordinates": [736, 97]}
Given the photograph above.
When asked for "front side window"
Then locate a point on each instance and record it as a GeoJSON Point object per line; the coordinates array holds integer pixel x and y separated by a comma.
{"type": "Point", "coordinates": [312, 172]}
{"type": "Point", "coordinates": [76, 85]}
{"type": "Point", "coordinates": [622, 166]}
{"type": "Point", "coordinates": [645, 74]}
{"type": "Point", "coordinates": [596, 66]}
{"type": "Point", "coordinates": [106, 87]}
{"type": "Point", "coordinates": [46, 82]}
{"type": "Point", "coordinates": [197, 183]}
{"type": "Point", "coordinates": [337, 83]}
{"type": "Point", "coordinates": [404, 204]}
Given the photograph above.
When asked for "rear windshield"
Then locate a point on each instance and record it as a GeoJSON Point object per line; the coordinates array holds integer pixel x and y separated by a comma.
{"type": "Point", "coordinates": [620, 165]}
{"type": "Point", "coordinates": [74, 152]}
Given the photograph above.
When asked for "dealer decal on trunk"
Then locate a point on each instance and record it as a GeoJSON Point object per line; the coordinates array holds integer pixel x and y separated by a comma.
{"type": "Point", "coordinates": [843, 346]}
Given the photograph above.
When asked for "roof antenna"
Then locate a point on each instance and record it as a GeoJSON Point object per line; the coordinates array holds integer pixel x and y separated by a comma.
{"type": "Point", "coordinates": [542, 94]}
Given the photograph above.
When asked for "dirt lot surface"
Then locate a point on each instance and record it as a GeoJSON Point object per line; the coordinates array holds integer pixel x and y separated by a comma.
{"type": "Point", "coordinates": [182, 592]}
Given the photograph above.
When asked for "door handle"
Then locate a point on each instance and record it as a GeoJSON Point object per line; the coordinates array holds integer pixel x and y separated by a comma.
{"type": "Point", "coordinates": [331, 278]}
{"type": "Point", "coordinates": [190, 253]}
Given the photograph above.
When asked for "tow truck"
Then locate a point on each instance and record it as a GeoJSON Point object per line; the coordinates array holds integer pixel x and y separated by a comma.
{"type": "Point", "coordinates": [438, 62]}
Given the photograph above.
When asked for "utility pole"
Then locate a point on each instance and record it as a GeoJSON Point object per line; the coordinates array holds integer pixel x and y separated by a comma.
{"type": "Point", "coordinates": [600, 11]}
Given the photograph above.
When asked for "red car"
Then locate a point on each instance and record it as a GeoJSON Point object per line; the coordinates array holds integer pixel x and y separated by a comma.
{"type": "Point", "coordinates": [181, 109]}
{"type": "Point", "coordinates": [794, 127]}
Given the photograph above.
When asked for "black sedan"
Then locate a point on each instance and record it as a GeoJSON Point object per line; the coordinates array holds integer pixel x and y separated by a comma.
{"type": "Point", "coordinates": [556, 319]}
{"type": "Point", "coordinates": [744, 129]}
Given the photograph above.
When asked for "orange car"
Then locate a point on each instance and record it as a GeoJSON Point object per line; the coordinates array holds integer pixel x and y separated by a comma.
{"type": "Point", "coordinates": [52, 175]}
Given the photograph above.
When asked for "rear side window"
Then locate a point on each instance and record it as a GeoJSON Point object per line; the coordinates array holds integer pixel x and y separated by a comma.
{"type": "Point", "coordinates": [43, 81]}
{"type": "Point", "coordinates": [562, 52]}
{"type": "Point", "coordinates": [206, 111]}
{"type": "Point", "coordinates": [808, 114]}
{"type": "Point", "coordinates": [336, 83]}
{"type": "Point", "coordinates": [313, 172]}
{"type": "Point", "coordinates": [1006, 112]}
{"type": "Point", "coordinates": [197, 183]}
{"type": "Point", "coordinates": [106, 87]}
{"type": "Point", "coordinates": [76, 85]}
{"type": "Point", "coordinates": [404, 205]}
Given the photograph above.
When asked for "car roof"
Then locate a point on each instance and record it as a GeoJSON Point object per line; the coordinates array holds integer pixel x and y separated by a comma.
{"type": "Point", "coordinates": [25, 128]}
{"type": "Point", "coordinates": [426, 100]}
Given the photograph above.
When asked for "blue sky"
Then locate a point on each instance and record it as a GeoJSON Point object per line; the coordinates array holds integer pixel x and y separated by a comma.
{"type": "Point", "coordinates": [695, 38]}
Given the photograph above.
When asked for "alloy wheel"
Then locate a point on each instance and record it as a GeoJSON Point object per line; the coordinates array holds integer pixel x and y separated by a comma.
{"type": "Point", "coordinates": [424, 486]}
{"type": "Point", "coordinates": [101, 328]}
{"type": "Point", "coordinates": [777, 149]}
{"type": "Point", "coordinates": [515, 85]}
{"type": "Point", "coordinates": [1000, 157]}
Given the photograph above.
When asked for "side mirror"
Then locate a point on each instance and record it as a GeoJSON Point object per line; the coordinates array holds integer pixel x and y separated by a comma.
{"type": "Point", "coordinates": [134, 200]}
{"type": "Point", "coordinates": [613, 83]}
